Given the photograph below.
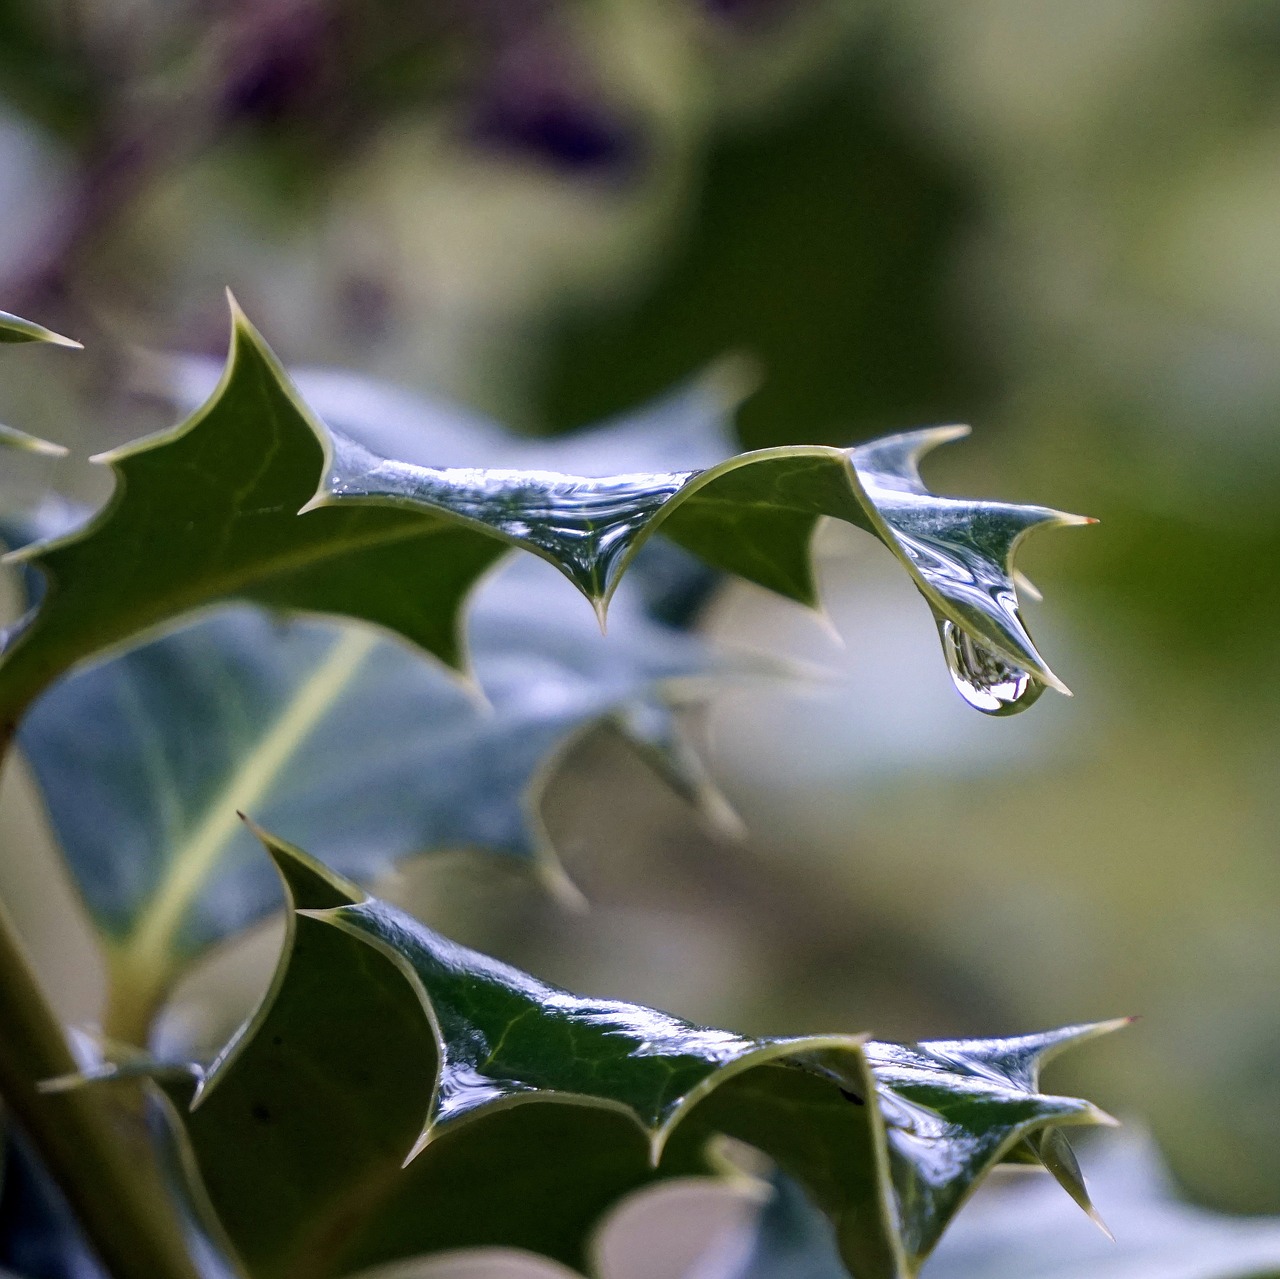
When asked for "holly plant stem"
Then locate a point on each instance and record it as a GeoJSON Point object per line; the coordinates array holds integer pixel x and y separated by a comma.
{"type": "Point", "coordinates": [94, 1148]}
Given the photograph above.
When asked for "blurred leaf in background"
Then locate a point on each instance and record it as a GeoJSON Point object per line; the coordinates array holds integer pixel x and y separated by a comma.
{"type": "Point", "coordinates": [820, 240]}
{"type": "Point", "coordinates": [1024, 1229]}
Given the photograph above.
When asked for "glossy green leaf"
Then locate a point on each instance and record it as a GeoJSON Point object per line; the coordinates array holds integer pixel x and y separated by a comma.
{"type": "Point", "coordinates": [13, 328]}
{"type": "Point", "coordinates": [979, 1094]}
{"type": "Point", "coordinates": [753, 515]}
{"type": "Point", "coordinates": [380, 1041]}
{"type": "Point", "coordinates": [207, 512]}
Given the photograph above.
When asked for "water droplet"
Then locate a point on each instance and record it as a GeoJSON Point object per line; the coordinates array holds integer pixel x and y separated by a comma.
{"type": "Point", "coordinates": [584, 526]}
{"type": "Point", "coordinates": [985, 680]}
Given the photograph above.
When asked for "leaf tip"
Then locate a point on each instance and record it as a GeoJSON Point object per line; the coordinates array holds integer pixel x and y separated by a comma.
{"type": "Point", "coordinates": [1024, 584]}
{"type": "Point", "coordinates": [1096, 1217]}
{"type": "Point", "coordinates": [1116, 1023]}
{"type": "Point", "coordinates": [244, 333]}
{"type": "Point", "coordinates": [309, 884]}
{"type": "Point", "coordinates": [1050, 680]}
{"type": "Point", "coordinates": [557, 883]}
{"type": "Point", "coordinates": [238, 316]}
{"type": "Point", "coordinates": [600, 604]}
{"type": "Point", "coordinates": [468, 683]}
{"type": "Point", "coordinates": [21, 554]}
{"type": "Point", "coordinates": [59, 1084]}
{"type": "Point", "coordinates": [1054, 1042]}
{"type": "Point", "coordinates": [1068, 520]}
{"type": "Point", "coordinates": [13, 328]}
{"type": "Point", "coordinates": [109, 457]}
{"type": "Point", "coordinates": [657, 1144]}
{"type": "Point", "coordinates": [717, 810]}
{"type": "Point", "coordinates": [425, 1138]}
{"type": "Point", "coordinates": [318, 500]}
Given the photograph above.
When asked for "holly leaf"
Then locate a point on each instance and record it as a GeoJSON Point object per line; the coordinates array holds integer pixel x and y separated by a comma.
{"type": "Point", "coordinates": [975, 1094]}
{"type": "Point", "coordinates": [389, 1071]}
{"type": "Point", "coordinates": [754, 516]}
{"type": "Point", "coordinates": [208, 512]}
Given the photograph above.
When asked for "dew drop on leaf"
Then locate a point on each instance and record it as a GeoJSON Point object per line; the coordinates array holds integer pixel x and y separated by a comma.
{"type": "Point", "coordinates": [985, 680]}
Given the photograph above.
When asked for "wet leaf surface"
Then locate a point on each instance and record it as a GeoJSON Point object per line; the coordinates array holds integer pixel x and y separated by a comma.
{"type": "Point", "coordinates": [155, 750]}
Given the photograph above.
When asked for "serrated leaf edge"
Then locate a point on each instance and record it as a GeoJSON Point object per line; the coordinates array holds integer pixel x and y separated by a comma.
{"type": "Point", "coordinates": [927, 438]}
{"type": "Point", "coordinates": [658, 1135]}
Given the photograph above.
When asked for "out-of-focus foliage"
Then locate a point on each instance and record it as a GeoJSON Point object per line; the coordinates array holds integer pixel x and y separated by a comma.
{"type": "Point", "coordinates": [1023, 1229]}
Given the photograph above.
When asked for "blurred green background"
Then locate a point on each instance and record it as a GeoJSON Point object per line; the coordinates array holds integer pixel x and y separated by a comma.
{"type": "Point", "coordinates": [1058, 222]}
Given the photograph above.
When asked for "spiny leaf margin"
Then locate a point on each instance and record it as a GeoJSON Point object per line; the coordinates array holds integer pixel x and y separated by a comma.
{"type": "Point", "coordinates": [894, 1087]}
{"type": "Point", "coordinates": [958, 552]}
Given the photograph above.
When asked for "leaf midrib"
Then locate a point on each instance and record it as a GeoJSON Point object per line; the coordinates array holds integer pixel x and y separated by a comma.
{"type": "Point", "coordinates": [143, 963]}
